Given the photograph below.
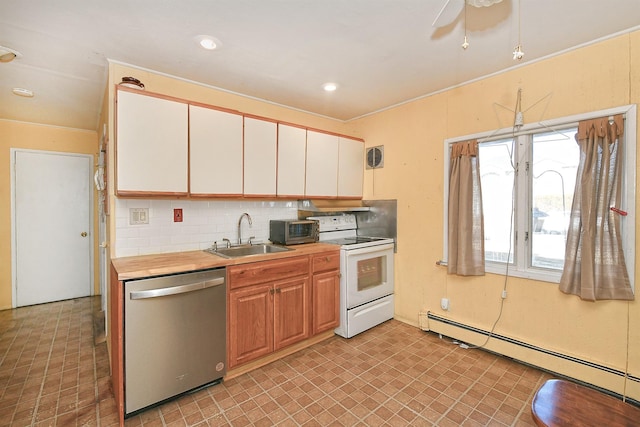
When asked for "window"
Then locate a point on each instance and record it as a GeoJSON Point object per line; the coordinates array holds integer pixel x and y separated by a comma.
{"type": "Point", "coordinates": [528, 178]}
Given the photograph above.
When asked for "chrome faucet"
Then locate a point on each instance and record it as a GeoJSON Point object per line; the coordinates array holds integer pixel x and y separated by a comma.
{"type": "Point", "coordinates": [240, 226]}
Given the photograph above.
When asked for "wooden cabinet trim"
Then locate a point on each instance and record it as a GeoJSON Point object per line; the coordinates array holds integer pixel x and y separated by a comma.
{"type": "Point", "coordinates": [116, 332]}
{"type": "Point", "coordinates": [150, 94]}
{"type": "Point", "coordinates": [231, 110]}
{"type": "Point", "coordinates": [214, 107]}
{"type": "Point", "coordinates": [320, 130]}
{"type": "Point", "coordinates": [153, 194]}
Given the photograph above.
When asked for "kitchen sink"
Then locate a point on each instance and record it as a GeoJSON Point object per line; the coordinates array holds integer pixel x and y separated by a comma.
{"type": "Point", "coordinates": [247, 250]}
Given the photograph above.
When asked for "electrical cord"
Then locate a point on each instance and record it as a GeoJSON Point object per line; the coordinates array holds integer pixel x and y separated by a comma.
{"type": "Point", "coordinates": [454, 342]}
{"type": "Point", "coordinates": [511, 225]}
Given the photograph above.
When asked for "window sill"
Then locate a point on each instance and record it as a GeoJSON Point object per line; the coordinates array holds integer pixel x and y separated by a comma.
{"type": "Point", "coordinates": [531, 274]}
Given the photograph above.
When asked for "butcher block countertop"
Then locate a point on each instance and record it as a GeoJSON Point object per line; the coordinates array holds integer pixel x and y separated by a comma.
{"type": "Point", "coordinates": [136, 267]}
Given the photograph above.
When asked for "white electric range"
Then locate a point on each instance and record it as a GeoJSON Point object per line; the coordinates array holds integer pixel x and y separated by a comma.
{"type": "Point", "coordinates": [366, 267]}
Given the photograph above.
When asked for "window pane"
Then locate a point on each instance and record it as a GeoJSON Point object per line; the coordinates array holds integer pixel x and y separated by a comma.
{"type": "Point", "coordinates": [555, 163]}
{"type": "Point", "coordinates": [496, 178]}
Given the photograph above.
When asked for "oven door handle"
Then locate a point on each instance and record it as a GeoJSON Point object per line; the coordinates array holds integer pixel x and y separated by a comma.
{"type": "Point", "coordinates": [386, 248]}
{"type": "Point", "coordinates": [175, 290]}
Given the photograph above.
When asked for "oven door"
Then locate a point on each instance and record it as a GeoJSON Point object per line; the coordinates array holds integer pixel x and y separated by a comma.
{"type": "Point", "coordinates": [367, 273]}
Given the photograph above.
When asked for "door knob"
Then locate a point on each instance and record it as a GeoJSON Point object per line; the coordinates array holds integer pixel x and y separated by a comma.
{"type": "Point", "coordinates": [83, 234]}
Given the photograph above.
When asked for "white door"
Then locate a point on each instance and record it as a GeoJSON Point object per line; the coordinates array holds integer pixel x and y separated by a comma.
{"type": "Point", "coordinates": [52, 226]}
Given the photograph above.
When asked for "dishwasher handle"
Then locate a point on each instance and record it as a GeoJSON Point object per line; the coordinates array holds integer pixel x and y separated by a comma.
{"type": "Point", "coordinates": [174, 290]}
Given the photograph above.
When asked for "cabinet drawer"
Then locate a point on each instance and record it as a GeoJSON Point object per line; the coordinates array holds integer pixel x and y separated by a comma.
{"type": "Point", "coordinates": [266, 271]}
{"type": "Point", "coordinates": [326, 261]}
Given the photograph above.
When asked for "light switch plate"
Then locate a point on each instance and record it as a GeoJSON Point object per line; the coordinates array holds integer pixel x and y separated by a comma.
{"type": "Point", "coordinates": [138, 216]}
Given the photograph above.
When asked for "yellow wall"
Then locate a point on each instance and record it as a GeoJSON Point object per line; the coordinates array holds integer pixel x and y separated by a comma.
{"type": "Point", "coordinates": [592, 78]}
{"type": "Point", "coordinates": [34, 137]}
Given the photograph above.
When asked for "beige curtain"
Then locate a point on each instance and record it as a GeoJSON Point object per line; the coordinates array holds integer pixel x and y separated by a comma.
{"type": "Point", "coordinates": [594, 266]}
{"type": "Point", "coordinates": [465, 222]}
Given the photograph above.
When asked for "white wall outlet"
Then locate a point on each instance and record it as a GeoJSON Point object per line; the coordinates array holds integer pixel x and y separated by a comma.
{"type": "Point", "coordinates": [444, 304]}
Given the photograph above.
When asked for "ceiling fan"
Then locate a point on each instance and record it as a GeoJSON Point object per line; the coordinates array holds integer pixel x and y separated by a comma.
{"type": "Point", "coordinates": [452, 8]}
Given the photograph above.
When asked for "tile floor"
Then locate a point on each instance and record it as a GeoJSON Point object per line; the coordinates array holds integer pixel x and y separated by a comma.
{"type": "Point", "coordinates": [52, 373]}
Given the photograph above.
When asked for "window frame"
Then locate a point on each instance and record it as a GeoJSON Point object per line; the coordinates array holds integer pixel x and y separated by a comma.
{"type": "Point", "coordinates": [522, 249]}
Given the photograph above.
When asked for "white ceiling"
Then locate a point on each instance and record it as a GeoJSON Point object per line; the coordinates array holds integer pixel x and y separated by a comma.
{"type": "Point", "coordinates": [380, 52]}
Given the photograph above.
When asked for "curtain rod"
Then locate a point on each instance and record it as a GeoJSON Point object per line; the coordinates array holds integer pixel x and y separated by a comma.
{"type": "Point", "coordinates": [550, 124]}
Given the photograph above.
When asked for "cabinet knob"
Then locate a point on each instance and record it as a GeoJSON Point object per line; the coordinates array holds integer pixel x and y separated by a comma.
{"type": "Point", "coordinates": [83, 234]}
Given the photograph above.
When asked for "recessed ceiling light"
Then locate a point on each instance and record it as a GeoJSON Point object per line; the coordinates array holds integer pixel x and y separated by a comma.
{"type": "Point", "coordinates": [22, 92]}
{"type": "Point", "coordinates": [8, 55]}
{"type": "Point", "coordinates": [208, 42]}
{"type": "Point", "coordinates": [330, 87]}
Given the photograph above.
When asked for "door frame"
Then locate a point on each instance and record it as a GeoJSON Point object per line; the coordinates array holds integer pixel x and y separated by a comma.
{"type": "Point", "coordinates": [14, 260]}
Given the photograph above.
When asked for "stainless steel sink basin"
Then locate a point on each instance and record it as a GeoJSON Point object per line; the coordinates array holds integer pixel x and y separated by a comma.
{"type": "Point", "coordinates": [246, 250]}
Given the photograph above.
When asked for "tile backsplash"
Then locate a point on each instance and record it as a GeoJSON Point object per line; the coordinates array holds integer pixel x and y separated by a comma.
{"type": "Point", "coordinates": [204, 222]}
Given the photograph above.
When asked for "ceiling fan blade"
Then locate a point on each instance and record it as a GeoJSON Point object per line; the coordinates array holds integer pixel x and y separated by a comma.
{"type": "Point", "coordinates": [449, 12]}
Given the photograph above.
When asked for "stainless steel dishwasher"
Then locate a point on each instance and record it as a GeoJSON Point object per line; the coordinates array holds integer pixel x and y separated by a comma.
{"type": "Point", "coordinates": [174, 335]}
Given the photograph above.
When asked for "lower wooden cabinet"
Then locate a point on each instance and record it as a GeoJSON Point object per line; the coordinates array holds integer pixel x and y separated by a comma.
{"type": "Point", "coordinates": [266, 318]}
{"type": "Point", "coordinates": [275, 304]}
{"type": "Point", "coordinates": [326, 301]}
{"type": "Point", "coordinates": [250, 328]}
{"type": "Point", "coordinates": [325, 290]}
{"type": "Point", "coordinates": [267, 309]}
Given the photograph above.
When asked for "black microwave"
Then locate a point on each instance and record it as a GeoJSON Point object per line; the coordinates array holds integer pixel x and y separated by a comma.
{"type": "Point", "coordinates": [293, 231]}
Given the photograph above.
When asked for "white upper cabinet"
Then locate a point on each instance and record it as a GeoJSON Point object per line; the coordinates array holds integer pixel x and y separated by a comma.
{"type": "Point", "coordinates": [260, 144]}
{"type": "Point", "coordinates": [292, 143]}
{"type": "Point", "coordinates": [322, 165]}
{"type": "Point", "coordinates": [215, 152]}
{"type": "Point", "coordinates": [169, 147]}
{"type": "Point", "coordinates": [350, 168]}
{"type": "Point", "coordinates": [152, 144]}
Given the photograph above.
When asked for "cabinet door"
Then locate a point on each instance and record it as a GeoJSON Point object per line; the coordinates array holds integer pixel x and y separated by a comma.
{"type": "Point", "coordinates": [350, 168]}
{"type": "Point", "coordinates": [326, 301]}
{"type": "Point", "coordinates": [250, 323]}
{"type": "Point", "coordinates": [322, 165]}
{"type": "Point", "coordinates": [291, 311]}
{"type": "Point", "coordinates": [151, 145]}
{"type": "Point", "coordinates": [291, 160]}
{"type": "Point", "coordinates": [260, 141]}
{"type": "Point", "coordinates": [215, 152]}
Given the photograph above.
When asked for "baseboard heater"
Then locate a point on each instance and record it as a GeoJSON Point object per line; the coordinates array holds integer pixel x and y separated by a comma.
{"type": "Point", "coordinates": [436, 318]}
